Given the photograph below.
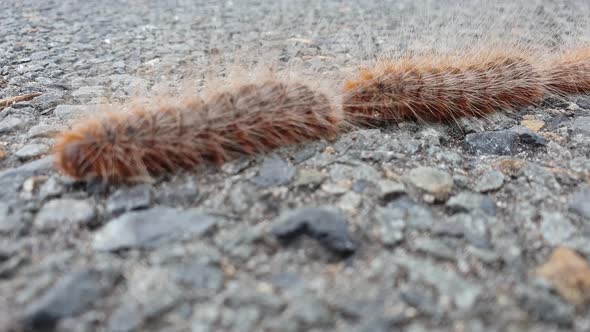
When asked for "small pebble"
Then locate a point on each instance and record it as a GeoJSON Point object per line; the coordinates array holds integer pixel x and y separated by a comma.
{"type": "Point", "coordinates": [59, 211]}
{"type": "Point", "coordinates": [31, 151]}
{"type": "Point", "coordinates": [433, 181]}
{"type": "Point", "coordinates": [326, 225]}
{"type": "Point", "coordinates": [489, 181]}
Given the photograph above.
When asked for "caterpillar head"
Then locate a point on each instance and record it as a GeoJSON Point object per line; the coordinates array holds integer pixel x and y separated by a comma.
{"type": "Point", "coordinates": [69, 157]}
{"type": "Point", "coordinates": [88, 151]}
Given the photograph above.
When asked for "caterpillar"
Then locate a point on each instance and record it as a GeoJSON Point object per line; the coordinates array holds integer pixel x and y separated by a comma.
{"type": "Point", "coordinates": [442, 88]}
{"type": "Point", "coordinates": [445, 88]}
{"type": "Point", "coordinates": [258, 117]}
{"type": "Point", "coordinates": [142, 143]}
{"type": "Point", "coordinates": [569, 72]}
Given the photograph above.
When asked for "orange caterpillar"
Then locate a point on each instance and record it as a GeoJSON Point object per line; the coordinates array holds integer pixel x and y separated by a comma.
{"type": "Point", "coordinates": [258, 117]}
{"type": "Point", "coordinates": [442, 88]}
{"type": "Point", "coordinates": [569, 73]}
{"type": "Point", "coordinates": [139, 144]}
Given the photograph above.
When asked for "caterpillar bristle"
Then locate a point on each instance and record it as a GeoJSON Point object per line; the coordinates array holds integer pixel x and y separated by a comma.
{"type": "Point", "coordinates": [569, 72]}
{"type": "Point", "coordinates": [266, 114]}
{"type": "Point", "coordinates": [441, 88]}
{"type": "Point", "coordinates": [142, 143]}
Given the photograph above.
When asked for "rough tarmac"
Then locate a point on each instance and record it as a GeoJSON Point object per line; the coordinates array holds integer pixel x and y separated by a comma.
{"type": "Point", "coordinates": [478, 225]}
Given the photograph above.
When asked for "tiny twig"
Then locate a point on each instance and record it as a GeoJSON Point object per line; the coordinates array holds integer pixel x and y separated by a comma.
{"type": "Point", "coordinates": [11, 100]}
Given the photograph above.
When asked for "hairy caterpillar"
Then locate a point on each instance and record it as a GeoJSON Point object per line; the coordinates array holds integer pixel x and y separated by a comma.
{"type": "Point", "coordinates": [442, 88]}
{"type": "Point", "coordinates": [569, 73]}
{"type": "Point", "coordinates": [141, 143]}
{"type": "Point", "coordinates": [258, 117]}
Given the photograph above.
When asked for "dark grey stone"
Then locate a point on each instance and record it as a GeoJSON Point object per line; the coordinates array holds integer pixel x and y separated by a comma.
{"type": "Point", "coordinates": [11, 179]}
{"type": "Point", "coordinates": [556, 229]}
{"type": "Point", "coordinates": [287, 281]}
{"type": "Point", "coordinates": [246, 318]}
{"type": "Point", "coordinates": [88, 92]}
{"type": "Point", "coordinates": [557, 122]}
{"type": "Point", "coordinates": [491, 142]}
{"type": "Point", "coordinates": [21, 60]}
{"type": "Point", "coordinates": [31, 151]}
{"type": "Point", "coordinates": [151, 292]}
{"type": "Point", "coordinates": [489, 181]}
{"type": "Point", "coordinates": [55, 213]}
{"type": "Point", "coordinates": [274, 171]}
{"type": "Point", "coordinates": [310, 312]}
{"type": "Point", "coordinates": [583, 102]}
{"type": "Point", "coordinates": [239, 241]}
{"type": "Point", "coordinates": [380, 324]}
{"type": "Point", "coordinates": [415, 215]}
{"type": "Point", "coordinates": [241, 197]}
{"type": "Point", "coordinates": [178, 193]}
{"type": "Point", "coordinates": [580, 202]}
{"type": "Point", "coordinates": [407, 144]}
{"type": "Point", "coordinates": [452, 228]}
{"type": "Point", "coordinates": [503, 142]}
{"type": "Point", "coordinates": [432, 180]}
{"type": "Point", "coordinates": [9, 267]}
{"type": "Point", "coordinates": [280, 323]}
{"type": "Point", "coordinates": [310, 179]}
{"type": "Point", "coordinates": [431, 137]}
{"type": "Point", "coordinates": [150, 228]}
{"type": "Point", "coordinates": [186, 254]}
{"type": "Point", "coordinates": [11, 123]}
{"type": "Point", "coordinates": [469, 125]}
{"type": "Point", "coordinates": [485, 255]}
{"type": "Point", "coordinates": [422, 297]}
{"type": "Point", "coordinates": [47, 100]}
{"type": "Point", "coordinates": [434, 247]}
{"type": "Point", "coordinates": [461, 181]}
{"type": "Point", "coordinates": [582, 125]}
{"type": "Point", "coordinates": [69, 112]}
{"type": "Point", "coordinates": [236, 166]}
{"type": "Point", "coordinates": [8, 221]}
{"type": "Point", "coordinates": [463, 292]}
{"type": "Point", "coordinates": [448, 156]}
{"type": "Point", "coordinates": [543, 306]}
{"type": "Point", "coordinates": [244, 296]}
{"type": "Point", "coordinates": [528, 137]}
{"type": "Point", "coordinates": [390, 190]}
{"type": "Point", "coordinates": [305, 152]}
{"type": "Point", "coordinates": [200, 326]}
{"type": "Point", "coordinates": [474, 228]}
{"type": "Point", "coordinates": [377, 155]}
{"type": "Point", "coordinates": [391, 225]}
{"type": "Point", "coordinates": [43, 130]}
{"type": "Point", "coordinates": [358, 171]}
{"type": "Point", "coordinates": [130, 198]}
{"type": "Point", "coordinates": [467, 201]}
{"type": "Point", "coordinates": [198, 276]}
{"type": "Point", "coordinates": [51, 188]}
{"type": "Point", "coordinates": [126, 318]}
{"type": "Point", "coordinates": [364, 139]}
{"type": "Point", "coordinates": [327, 226]}
{"type": "Point", "coordinates": [360, 186]}
{"type": "Point", "coordinates": [71, 295]}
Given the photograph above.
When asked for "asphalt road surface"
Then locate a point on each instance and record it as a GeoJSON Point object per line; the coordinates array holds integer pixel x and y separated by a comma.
{"type": "Point", "coordinates": [475, 225]}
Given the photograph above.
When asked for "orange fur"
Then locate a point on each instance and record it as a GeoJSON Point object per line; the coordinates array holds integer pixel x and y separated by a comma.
{"type": "Point", "coordinates": [569, 73]}
{"type": "Point", "coordinates": [128, 146]}
{"type": "Point", "coordinates": [258, 117]}
{"type": "Point", "coordinates": [442, 88]}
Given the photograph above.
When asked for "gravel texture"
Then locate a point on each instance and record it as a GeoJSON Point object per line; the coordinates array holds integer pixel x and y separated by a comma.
{"type": "Point", "coordinates": [475, 225]}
